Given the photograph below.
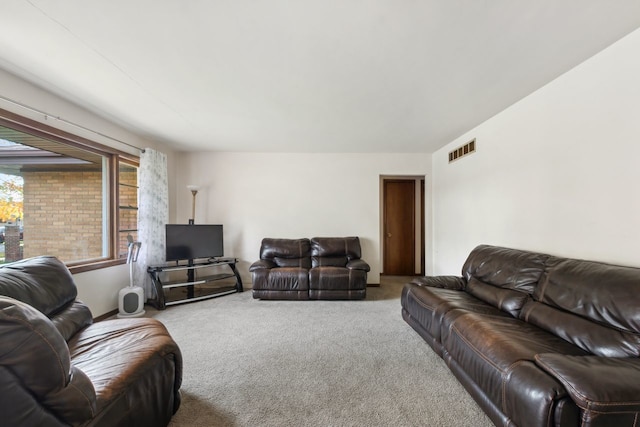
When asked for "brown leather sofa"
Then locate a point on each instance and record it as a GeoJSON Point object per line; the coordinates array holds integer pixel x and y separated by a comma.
{"type": "Point", "coordinates": [537, 340]}
{"type": "Point", "coordinates": [302, 269]}
{"type": "Point", "coordinates": [58, 368]}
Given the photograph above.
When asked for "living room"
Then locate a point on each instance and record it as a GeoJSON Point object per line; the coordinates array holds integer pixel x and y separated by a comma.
{"type": "Point", "coordinates": [550, 173]}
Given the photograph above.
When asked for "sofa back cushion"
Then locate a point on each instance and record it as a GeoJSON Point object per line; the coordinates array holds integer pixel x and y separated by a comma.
{"type": "Point", "coordinates": [503, 277]}
{"type": "Point", "coordinates": [589, 336]}
{"type": "Point", "coordinates": [595, 305]}
{"type": "Point", "coordinates": [287, 252]}
{"type": "Point", "coordinates": [334, 251]}
{"type": "Point", "coordinates": [46, 284]}
{"type": "Point", "coordinates": [43, 282]}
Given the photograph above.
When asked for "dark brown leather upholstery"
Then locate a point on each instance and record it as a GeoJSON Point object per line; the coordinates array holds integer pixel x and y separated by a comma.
{"type": "Point", "coordinates": [337, 272]}
{"type": "Point", "coordinates": [57, 368]}
{"type": "Point", "coordinates": [537, 340]}
{"type": "Point", "coordinates": [300, 269]}
{"type": "Point", "coordinates": [283, 269]}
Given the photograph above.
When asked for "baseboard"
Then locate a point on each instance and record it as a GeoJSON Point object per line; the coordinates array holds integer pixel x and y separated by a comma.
{"type": "Point", "coordinates": [373, 285]}
{"type": "Point", "coordinates": [106, 316]}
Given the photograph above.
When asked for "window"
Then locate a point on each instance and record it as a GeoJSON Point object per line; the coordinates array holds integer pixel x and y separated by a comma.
{"type": "Point", "coordinates": [127, 206]}
{"type": "Point", "coordinates": [77, 199]}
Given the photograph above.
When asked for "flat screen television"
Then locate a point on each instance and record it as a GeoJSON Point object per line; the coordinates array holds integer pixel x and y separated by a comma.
{"type": "Point", "coordinates": [192, 241]}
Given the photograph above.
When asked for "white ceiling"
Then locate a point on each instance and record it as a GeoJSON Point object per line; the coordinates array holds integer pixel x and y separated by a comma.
{"type": "Point", "coordinates": [303, 75]}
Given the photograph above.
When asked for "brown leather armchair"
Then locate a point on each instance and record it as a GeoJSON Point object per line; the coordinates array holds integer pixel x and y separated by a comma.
{"type": "Point", "coordinates": [58, 368]}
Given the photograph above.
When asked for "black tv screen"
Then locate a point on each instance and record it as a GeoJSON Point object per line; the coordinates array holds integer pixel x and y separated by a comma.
{"type": "Point", "coordinates": [193, 241]}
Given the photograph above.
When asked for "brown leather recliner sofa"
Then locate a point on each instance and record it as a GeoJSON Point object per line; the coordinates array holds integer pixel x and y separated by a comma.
{"type": "Point", "coordinates": [303, 269]}
{"type": "Point", "coordinates": [58, 368]}
{"type": "Point", "coordinates": [537, 340]}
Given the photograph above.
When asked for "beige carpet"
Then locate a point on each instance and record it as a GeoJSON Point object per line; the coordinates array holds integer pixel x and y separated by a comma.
{"type": "Point", "coordinates": [311, 363]}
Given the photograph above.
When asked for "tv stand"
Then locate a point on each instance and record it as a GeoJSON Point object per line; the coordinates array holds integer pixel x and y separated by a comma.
{"type": "Point", "coordinates": [204, 279]}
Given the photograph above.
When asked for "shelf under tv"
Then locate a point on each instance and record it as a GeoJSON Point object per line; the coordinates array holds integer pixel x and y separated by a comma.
{"type": "Point", "coordinates": [214, 282]}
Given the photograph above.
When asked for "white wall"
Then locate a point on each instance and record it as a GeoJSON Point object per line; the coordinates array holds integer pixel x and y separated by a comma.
{"type": "Point", "coordinates": [557, 172]}
{"type": "Point", "coordinates": [257, 195]}
{"type": "Point", "coordinates": [98, 289]}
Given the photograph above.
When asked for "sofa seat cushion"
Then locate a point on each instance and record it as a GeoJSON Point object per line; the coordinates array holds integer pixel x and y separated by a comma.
{"type": "Point", "coordinates": [282, 279]}
{"type": "Point", "coordinates": [598, 384]}
{"type": "Point", "coordinates": [132, 363]}
{"type": "Point", "coordinates": [337, 278]}
{"type": "Point", "coordinates": [281, 283]}
{"type": "Point", "coordinates": [488, 348]}
{"type": "Point", "coordinates": [428, 306]}
{"type": "Point", "coordinates": [337, 283]}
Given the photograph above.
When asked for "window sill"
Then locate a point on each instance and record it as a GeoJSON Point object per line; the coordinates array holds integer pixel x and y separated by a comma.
{"type": "Point", "coordinates": [81, 268]}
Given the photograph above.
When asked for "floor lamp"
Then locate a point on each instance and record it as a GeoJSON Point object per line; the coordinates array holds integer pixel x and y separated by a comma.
{"type": "Point", "coordinates": [190, 272]}
{"type": "Point", "coordinates": [194, 190]}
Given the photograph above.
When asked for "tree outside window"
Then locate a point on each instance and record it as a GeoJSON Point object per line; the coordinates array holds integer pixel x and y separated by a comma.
{"type": "Point", "coordinates": [11, 206]}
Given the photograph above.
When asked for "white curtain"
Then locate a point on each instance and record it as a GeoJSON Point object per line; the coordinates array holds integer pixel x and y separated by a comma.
{"type": "Point", "coordinates": [153, 214]}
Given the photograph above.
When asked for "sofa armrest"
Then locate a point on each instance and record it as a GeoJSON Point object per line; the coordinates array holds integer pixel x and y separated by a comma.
{"type": "Point", "coordinates": [358, 264]}
{"type": "Point", "coordinates": [38, 360]}
{"type": "Point", "coordinates": [456, 283]}
{"type": "Point", "coordinates": [598, 385]}
{"type": "Point", "coordinates": [72, 319]}
{"type": "Point", "coordinates": [262, 264]}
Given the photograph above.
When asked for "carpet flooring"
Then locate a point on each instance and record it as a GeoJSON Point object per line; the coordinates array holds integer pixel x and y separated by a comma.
{"type": "Point", "coordinates": [311, 363]}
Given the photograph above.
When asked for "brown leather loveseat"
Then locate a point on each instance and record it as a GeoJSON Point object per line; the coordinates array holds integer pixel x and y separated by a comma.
{"type": "Point", "coordinates": [302, 269]}
{"type": "Point", "coordinates": [537, 340]}
{"type": "Point", "coordinates": [58, 368]}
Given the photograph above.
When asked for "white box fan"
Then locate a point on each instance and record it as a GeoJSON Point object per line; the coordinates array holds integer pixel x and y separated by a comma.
{"type": "Point", "coordinates": [131, 298]}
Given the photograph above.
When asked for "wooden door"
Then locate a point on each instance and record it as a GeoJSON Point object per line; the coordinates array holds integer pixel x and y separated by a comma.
{"type": "Point", "coordinates": [423, 236]}
{"type": "Point", "coordinates": [399, 227]}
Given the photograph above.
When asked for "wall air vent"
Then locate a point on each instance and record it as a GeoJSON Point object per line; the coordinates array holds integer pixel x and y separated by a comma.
{"type": "Point", "coordinates": [462, 151]}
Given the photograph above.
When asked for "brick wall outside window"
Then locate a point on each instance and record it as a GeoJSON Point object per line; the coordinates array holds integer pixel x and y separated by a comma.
{"type": "Point", "coordinates": [63, 214]}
